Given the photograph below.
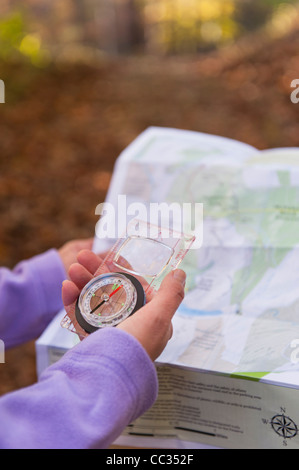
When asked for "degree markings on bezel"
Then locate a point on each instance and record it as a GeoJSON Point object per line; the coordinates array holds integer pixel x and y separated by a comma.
{"type": "Point", "coordinates": [122, 293]}
{"type": "Point", "coordinates": [107, 311]}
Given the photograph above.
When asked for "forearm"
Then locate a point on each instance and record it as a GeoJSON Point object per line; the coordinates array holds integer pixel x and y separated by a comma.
{"type": "Point", "coordinates": [84, 400]}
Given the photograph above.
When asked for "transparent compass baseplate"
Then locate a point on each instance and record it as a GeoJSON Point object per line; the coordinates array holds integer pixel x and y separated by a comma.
{"type": "Point", "coordinates": [129, 276]}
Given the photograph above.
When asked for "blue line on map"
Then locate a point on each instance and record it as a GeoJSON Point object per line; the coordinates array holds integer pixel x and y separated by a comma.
{"type": "Point", "coordinates": [184, 310]}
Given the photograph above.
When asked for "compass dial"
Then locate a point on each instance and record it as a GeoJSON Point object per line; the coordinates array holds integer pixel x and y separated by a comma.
{"type": "Point", "coordinates": [107, 300]}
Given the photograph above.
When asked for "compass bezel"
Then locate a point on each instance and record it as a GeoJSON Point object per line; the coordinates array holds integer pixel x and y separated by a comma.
{"type": "Point", "coordinates": [140, 302]}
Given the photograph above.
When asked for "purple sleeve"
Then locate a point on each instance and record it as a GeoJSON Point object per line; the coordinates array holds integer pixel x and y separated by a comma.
{"type": "Point", "coordinates": [86, 399]}
{"type": "Point", "coordinates": [29, 297]}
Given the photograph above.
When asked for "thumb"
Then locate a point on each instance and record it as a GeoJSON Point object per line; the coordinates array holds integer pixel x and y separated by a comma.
{"type": "Point", "coordinates": [170, 294]}
{"type": "Point", "coordinates": [151, 325]}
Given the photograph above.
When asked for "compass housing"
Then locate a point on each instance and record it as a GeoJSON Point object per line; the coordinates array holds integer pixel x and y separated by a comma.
{"type": "Point", "coordinates": [133, 299]}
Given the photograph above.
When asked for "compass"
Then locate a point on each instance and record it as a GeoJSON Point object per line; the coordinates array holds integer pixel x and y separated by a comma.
{"type": "Point", "coordinates": [284, 426]}
{"type": "Point", "coordinates": [107, 300]}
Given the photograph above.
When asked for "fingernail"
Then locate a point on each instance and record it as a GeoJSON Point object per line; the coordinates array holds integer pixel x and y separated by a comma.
{"type": "Point", "coordinates": [180, 275]}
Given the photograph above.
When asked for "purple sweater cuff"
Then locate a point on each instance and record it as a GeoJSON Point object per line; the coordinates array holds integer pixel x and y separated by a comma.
{"type": "Point", "coordinates": [48, 273]}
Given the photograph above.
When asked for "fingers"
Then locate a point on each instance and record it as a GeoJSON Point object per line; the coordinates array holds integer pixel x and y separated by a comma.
{"type": "Point", "coordinates": [68, 252]}
{"type": "Point", "coordinates": [79, 275]}
{"type": "Point", "coordinates": [151, 325]}
{"type": "Point", "coordinates": [89, 260]}
{"type": "Point", "coordinates": [70, 293]}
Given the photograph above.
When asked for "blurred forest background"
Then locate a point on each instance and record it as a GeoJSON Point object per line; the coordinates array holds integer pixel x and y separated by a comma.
{"type": "Point", "coordinates": [84, 77]}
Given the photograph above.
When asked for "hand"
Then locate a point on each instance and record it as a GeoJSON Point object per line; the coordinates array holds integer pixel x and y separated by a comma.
{"type": "Point", "coordinates": [151, 325]}
{"type": "Point", "coordinates": [69, 251]}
